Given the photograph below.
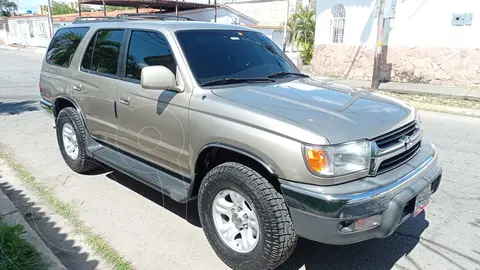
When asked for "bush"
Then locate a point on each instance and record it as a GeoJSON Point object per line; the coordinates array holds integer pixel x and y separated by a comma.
{"type": "Point", "coordinates": [16, 253]}
{"type": "Point", "coordinates": [302, 32]}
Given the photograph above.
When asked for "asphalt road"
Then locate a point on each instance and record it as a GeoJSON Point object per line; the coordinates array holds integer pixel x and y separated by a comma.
{"type": "Point", "coordinates": [153, 232]}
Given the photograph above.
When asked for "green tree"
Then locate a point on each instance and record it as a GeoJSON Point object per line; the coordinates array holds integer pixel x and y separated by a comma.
{"type": "Point", "coordinates": [8, 7]}
{"type": "Point", "coordinates": [61, 8]}
{"type": "Point", "coordinates": [301, 26]}
{"type": "Point", "coordinates": [113, 8]}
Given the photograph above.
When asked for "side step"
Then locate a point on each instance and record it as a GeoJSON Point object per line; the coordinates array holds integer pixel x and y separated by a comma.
{"type": "Point", "coordinates": [157, 178]}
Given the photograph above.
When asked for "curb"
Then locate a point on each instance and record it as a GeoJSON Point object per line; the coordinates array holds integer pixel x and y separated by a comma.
{"type": "Point", "coordinates": [11, 216]}
{"type": "Point", "coordinates": [446, 109]}
{"type": "Point", "coordinates": [385, 88]}
{"type": "Point", "coordinates": [400, 91]}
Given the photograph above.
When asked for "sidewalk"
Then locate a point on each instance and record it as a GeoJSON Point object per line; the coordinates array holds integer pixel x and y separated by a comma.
{"type": "Point", "coordinates": [10, 215]}
{"type": "Point", "coordinates": [408, 88]}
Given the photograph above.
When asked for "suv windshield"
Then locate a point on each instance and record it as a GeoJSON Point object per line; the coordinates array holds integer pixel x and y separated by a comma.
{"type": "Point", "coordinates": [218, 54]}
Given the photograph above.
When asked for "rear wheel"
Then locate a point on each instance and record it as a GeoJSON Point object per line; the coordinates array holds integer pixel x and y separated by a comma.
{"type": "Point", "coordinates": [71, 138]}
{"type": "Point", "coordinates": [245, 218]}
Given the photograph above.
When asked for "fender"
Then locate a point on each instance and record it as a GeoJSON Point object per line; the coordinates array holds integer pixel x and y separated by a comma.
{"type": "Point", "coordinates": [238, 150]}
{"type": "Point", "coordinates": [231, 148]}
{"type": "Point", "coordinates": [92, 144]}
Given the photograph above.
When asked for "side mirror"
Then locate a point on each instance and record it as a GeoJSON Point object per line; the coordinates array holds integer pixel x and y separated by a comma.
{"type": "Point", "coordinates": [158, 78]}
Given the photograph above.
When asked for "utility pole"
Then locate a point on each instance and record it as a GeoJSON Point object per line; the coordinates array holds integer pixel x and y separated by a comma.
{"type": "Point", "coordinates": [380, 5]}
{"type": "Point", "coordinates": [104, 9]}
{"type": "Point", "coordinates": [79, 9]}
{"type": "Point", "coordinates": [285, 27]}
{"type": "Point", "coordinates": [50, 18]}
{"type": "Point", "coordinates": [176, 9]}
{"type": "Point", "coordinates": [215, 10]}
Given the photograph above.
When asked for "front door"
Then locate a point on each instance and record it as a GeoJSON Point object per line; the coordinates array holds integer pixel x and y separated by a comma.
{"type": "Point", "coordinates": [95, 83]}
{"type": "Point", "coordinates": [152, 124]}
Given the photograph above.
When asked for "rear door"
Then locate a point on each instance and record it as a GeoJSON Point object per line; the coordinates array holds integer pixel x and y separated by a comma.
{"type": "Point", "coordinates": [152, 124]}
{"type": "Point", "coordinates": [58, 69]}
{"type": "Point", "coordinates": [95, 82]}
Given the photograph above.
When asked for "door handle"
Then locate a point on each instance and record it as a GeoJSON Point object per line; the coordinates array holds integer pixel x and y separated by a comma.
{"type": "Point", "coordinates": [77, 87]}
{"type": "Point", "coordinates": [125, 100]}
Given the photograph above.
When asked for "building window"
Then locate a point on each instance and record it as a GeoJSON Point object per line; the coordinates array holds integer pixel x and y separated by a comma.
{"type": "Point", "coordinates": [338, 23]}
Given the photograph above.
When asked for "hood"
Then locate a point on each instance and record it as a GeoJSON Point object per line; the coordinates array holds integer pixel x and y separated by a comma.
{"type": "Point", "coordinates": [339, 113]}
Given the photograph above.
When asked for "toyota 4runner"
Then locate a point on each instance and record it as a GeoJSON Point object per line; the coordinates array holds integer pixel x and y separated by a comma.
{"type": "Point", "coordinates": [218, 113]}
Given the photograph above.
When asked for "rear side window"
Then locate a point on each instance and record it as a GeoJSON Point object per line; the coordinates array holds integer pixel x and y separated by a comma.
{"type": "Point", "coordinates": [148, 49]}
{"type": "Point", "coordinates": [64, 44]}
{"type": "Point", "coordinates": [103, 52]}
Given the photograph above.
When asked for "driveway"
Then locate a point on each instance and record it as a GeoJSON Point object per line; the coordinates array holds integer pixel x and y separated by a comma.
{"type": "Point", "coordinates": [154, 232]}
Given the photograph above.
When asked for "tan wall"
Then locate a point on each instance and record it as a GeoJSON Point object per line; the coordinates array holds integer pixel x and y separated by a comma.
{"type": "Point", "coordinates": [449, 66]}
{"type": "Point", "coordinates": [266, 13]}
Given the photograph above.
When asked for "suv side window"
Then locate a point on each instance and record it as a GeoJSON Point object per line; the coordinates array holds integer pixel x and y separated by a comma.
{"type": "Point", "coordinates": [64, 44]}
{"type": "Point", "coordinates": [103, 52]}
{"type": "Point", "coordinates": [148, 49]}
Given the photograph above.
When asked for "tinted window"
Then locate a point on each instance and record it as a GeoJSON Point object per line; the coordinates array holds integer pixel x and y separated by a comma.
{"type": "Point", "coordinates": [148, 49]}
{"type": "Point", "coordinates": [64, 44]}
{"type": "Point", "coordinates": [103, 52]}
{"type": "Point", "coordinates": [218, 54]}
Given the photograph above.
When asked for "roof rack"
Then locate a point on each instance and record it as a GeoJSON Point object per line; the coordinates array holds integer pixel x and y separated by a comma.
{"type": "Point", "coordinates": [151, 16]}
{"type": "Point", "coordinates": [93, 19]}
{"type": "Point", "coordinates": [131, 16]}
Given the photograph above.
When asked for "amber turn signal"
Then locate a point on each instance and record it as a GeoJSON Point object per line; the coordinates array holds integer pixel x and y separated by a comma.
{"type": "Point", "coordinates": [317, 160]}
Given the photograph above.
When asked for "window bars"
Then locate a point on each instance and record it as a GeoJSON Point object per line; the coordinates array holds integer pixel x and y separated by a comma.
{"type": "Point", "coordinates": [337, 23]}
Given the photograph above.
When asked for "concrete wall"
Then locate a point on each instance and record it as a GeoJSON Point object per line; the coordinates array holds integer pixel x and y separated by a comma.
{"type": "Point", "coordinates": [3, 31]}
{"type": "Point", "coordinates": [223, 16]}
{"type": "Point", "coordinates": [423, 45]}
{"type": "Point", "coordinates": [270, 13]}
{"type": "Point", "coordinates": [29, 31]}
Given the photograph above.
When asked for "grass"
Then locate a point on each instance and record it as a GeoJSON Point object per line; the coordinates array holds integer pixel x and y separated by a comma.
{"type": "Point", "coordinates": [436, 100]}
{"type": "Point", "coordinates": [99, 245]}
{"type": "Point", "coordinates": [15, 252]}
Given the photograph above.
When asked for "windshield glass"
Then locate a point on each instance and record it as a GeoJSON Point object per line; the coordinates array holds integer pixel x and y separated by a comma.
{"type": "Point", "coordinates": [218, 54]}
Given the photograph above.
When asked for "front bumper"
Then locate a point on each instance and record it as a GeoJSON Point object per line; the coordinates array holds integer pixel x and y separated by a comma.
{"type": "Point", "coordinates": [318, 211]}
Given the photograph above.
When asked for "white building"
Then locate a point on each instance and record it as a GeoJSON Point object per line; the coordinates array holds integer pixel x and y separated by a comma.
{"type": "Point", "coordinates": [427, 41]}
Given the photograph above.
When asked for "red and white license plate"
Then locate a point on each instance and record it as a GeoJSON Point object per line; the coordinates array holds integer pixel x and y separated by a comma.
{"type": "Point", "coordinates": [422, 201]}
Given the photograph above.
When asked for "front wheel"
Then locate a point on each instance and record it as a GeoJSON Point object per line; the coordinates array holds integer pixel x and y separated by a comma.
{"type": "Point", "coordinates": [245, 218]}
{"type": "Point", "coordinates": [71, 138]}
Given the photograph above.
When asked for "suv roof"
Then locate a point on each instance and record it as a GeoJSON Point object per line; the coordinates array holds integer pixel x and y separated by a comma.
{"type": "Point", "coordinates": [149, 22]}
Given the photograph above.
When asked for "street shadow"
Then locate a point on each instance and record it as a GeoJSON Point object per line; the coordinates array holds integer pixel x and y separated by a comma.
{"type": "Point", "coordinates": [66, 250]}
{"type": "Point", "coordinates": [187, 211]}
{"type": "Point", "coordinates": [18, 107]}
{"type": "Point", "coordinates": [371, 254]}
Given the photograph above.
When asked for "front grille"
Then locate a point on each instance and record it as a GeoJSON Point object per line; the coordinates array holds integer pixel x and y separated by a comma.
{"type": "Point", "coordinates": [395, 161]}
{"type": "Point", "coordinates": [391, 138]}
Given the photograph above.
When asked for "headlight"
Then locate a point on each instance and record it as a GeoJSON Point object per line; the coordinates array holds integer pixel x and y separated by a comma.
{"type": "Point", "coordinates": [417, 117]}
{"type": "Point", "coordinates": [336, 160]}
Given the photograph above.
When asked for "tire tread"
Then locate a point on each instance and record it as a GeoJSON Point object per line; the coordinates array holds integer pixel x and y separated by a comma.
{"type": "Point", "coordinates": [280, 240]}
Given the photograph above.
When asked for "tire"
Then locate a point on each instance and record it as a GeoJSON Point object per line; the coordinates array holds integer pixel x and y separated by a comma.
{"type": "Point", "coordinates": [276, 238]}
{"type": "Point", "coordinates": [82, 163]}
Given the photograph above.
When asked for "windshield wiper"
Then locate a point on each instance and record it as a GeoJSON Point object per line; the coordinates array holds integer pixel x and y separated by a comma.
{"type": "Point", "coordinates": [284, 73]}
{"type": "Point", "coordinates": [236, 80]}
